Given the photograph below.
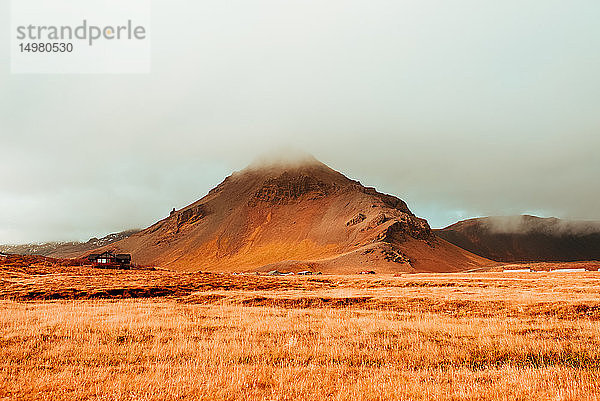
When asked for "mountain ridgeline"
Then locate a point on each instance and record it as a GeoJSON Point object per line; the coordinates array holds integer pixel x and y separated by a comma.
{"type": "Point", "coordinates": [65, 249]}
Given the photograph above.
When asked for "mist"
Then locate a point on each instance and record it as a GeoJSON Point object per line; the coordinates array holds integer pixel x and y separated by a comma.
{"type": "Point", "coordinates": [461, 109]}
{"type": "Point", "coordinates": [547, 226]}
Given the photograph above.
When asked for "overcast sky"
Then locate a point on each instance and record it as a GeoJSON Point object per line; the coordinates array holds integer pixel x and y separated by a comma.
{"type": "Point", "coordinates": [461, 108]}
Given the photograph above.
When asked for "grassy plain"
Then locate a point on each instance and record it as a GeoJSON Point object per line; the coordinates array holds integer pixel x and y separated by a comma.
{"type": "Point", "coordinates": [77, 333]}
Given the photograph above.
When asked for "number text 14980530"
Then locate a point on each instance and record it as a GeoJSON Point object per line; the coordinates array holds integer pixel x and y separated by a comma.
{"type": "Point", "coordinates": [42, 47]}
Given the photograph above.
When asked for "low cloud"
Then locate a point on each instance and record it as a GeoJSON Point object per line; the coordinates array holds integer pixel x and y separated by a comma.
{"type": "Point", "coordinates": [550, 226]}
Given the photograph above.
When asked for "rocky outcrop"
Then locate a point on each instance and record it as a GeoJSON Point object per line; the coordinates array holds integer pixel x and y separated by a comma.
{"type": "Point", "coordinates": [399, 230]}
{"type": "Point", "coordinates": [288, 188]}
{"type": "Point", "coordinates": [190, 215]}
{"type": "Point", "coordinates": [359, 218]}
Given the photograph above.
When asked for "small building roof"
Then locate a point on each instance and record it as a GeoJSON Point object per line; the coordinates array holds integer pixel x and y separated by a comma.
{"type": "Point", "coordinates": [121, 257]}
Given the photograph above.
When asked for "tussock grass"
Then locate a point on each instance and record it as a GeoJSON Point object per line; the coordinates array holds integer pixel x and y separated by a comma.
{"type": "Point", "coordinates": [485, 336]}
{"type": "Point", "coordinates": [143, 349]}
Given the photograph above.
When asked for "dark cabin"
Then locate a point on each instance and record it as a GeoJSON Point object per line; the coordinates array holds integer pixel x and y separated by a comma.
{"type": "Point", "coordinates": [109, 259]}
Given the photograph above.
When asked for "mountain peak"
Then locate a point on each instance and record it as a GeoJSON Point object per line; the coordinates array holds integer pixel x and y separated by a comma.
{"type": "Point", "coordinates": [283, 180]}
{"type": "Point", "coordinates": [294, 212]}
{"type": "Point", "coordinates": [293, 166]}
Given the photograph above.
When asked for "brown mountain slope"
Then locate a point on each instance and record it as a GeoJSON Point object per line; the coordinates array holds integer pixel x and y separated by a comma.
{"type": "Point", "coordinates": [526, 238]}
{"type": "Point", "coordinates": [294, 217]}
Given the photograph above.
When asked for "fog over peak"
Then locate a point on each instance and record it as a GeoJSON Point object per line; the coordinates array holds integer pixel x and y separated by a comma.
{"type": "Point", "coordinates": [282, 158]}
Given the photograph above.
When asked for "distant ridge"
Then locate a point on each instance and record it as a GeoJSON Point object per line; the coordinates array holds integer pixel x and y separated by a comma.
{"type": "Point", "coordinates": [526, 238]}
{"type": "Point", "coordinates": [65, 249]}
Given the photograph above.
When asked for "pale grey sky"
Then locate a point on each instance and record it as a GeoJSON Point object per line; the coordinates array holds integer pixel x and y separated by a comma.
{"type": "Point", "coordinates": [461, 108]}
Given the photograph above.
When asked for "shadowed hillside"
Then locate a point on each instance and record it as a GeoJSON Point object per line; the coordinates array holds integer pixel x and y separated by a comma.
{"type": "Point", "coordinates": [526, 238]}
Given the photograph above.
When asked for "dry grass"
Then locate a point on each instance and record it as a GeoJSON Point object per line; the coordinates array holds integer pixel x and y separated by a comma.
{"type": "Point", "coordinates": [484, 336]}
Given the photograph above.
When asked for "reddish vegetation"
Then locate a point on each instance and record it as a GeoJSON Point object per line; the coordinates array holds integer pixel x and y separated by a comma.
{"type": "Point", "coordinates": [32, 278]}
{"type": "Point", "coordinates": [36, 264]}
{"type": "Point", "coordinates": [295, 217]}
{"type": "Point", "coordinates": [40, 278]}
{"type": "Point", "coordinates": [526, 238]}
{"type": "Point", "coordinates": [459, 336]}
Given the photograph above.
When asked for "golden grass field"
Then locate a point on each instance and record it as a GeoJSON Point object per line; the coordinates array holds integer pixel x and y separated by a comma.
{"type": "Point", "coordinates": [78, 333]}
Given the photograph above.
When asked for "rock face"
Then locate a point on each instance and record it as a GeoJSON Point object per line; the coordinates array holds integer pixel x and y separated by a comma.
{"type": "Point", "coordinates": [290, 188]}
{"type": "Point", "coordinates": [526, 238]}
{"type": "Point", "coordinates": [295, 216]}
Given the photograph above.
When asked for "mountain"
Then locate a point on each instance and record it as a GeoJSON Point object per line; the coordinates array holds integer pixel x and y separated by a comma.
{"type": "Point", "coordinates": [65, 249]}
{"type": "Point", "coordinates": [526, 238]}
{"type": "Point", "coordinates": [295, 216]}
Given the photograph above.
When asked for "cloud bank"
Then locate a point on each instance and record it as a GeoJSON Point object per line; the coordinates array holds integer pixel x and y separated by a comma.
{"type": "Point", "coordinates": [462, 109]}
